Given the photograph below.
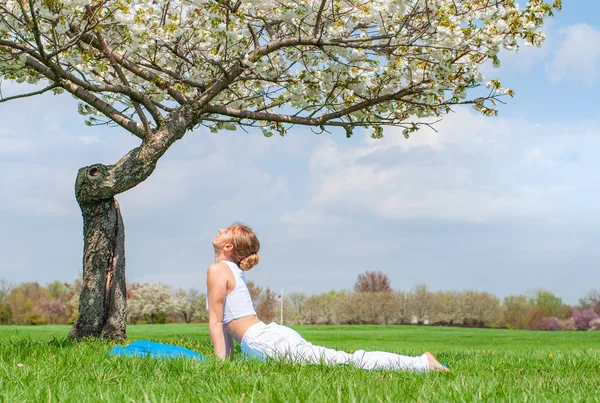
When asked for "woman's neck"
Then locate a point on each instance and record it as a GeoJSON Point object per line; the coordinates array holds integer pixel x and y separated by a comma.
{"type": "Point", "coordinates": [221, 257]}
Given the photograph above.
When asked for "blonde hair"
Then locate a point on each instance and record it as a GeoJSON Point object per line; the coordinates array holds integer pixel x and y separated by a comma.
{"type": "Point", "coordinates": [245, 246]}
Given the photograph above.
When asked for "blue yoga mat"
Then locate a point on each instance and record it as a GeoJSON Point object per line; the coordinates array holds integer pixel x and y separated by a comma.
{"type": "Point", "coordinates": [147, 348]}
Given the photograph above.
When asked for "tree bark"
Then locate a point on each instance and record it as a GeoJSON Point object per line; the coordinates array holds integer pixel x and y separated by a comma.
{"type": "Point", "coordinates": [102, 303]}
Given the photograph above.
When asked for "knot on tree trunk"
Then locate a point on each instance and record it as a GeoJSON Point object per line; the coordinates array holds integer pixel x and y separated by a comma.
{"type": "Point", "coordinates": [92, 182]}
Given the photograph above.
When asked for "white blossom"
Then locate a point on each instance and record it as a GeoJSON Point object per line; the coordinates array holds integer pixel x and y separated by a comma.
{"type": "Point", "coordinates": [334, 58]}
{"type": "Point", "coordinates": [150, 300]}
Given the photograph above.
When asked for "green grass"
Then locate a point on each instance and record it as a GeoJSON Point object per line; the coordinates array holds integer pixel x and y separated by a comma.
{"type": "Point", "coordinates": [486, 364]}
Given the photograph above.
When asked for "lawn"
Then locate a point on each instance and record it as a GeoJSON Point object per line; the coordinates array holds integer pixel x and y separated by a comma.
{"type": "Point", "coordinates": [486, 364]}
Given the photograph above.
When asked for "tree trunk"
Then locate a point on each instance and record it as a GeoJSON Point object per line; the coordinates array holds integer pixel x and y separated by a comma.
{"type": "Point", "coordinates": [102, 304]}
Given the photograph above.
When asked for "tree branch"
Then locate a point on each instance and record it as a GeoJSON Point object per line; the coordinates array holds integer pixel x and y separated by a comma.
{"type": "Point", "coordinates": [87, 96]}
{"type": "Point", "coordinates": [151, 108]}
{"type": "Point", "coordinates": [30, 94]}
{"type": "Point", "coordinates": [138, 70]}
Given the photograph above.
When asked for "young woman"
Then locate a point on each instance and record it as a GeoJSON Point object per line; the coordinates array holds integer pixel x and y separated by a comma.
{"type": "Point", "coordinates": [232, 316]}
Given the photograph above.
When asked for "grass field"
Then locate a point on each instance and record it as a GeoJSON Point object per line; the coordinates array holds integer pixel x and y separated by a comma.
{"type": "Point", "coordinates": [486, 364]}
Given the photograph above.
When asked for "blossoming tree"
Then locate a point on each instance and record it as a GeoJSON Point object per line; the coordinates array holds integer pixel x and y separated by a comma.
{"type": "Point", "coordinates": [160, 68]}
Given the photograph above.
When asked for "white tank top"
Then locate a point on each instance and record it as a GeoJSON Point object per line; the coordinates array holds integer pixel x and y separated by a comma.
{"type": "Point", "coordinates": [238, 303]}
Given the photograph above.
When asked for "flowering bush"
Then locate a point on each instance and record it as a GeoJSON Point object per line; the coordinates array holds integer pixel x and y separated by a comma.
{"type": "Point", "coordinates": [553, 324]}
{"type": "Point", "coordinates": [53, 310]}
{"type": "Point", "coordinates": [595, 324]}
{"type": "Point", "coordinates": [537, 321]}
{"type": "Point", "coordinates": [583, 318]}
{"type": "Point", "coordinates": [151, 302]}
{"type": "Point", "coordinates": [567, 324]}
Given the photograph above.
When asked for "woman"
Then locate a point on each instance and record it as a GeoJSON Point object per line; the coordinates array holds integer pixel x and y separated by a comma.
{"type": "Point", "coordinates": [232, 316]}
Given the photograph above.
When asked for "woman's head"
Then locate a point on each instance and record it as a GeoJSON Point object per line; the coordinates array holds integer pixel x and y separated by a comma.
{"type": "Point", "coordinates": [240, 245]}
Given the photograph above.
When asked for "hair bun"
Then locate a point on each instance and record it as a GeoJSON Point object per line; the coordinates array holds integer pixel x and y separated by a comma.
{"type": "Point", "coordinates": [249, 261]}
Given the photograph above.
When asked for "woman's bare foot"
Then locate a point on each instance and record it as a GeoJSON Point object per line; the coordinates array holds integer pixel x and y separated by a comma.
{"type": "Point", "coordinates": [433, 364]}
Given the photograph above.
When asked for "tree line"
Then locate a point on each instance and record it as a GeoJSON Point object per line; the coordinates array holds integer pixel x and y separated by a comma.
{"type": "Point", "coordinates": [372, 301]}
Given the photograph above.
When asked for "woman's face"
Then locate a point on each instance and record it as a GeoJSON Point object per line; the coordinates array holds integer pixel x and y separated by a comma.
{"type": "Point", "coordinates": [223, 238]}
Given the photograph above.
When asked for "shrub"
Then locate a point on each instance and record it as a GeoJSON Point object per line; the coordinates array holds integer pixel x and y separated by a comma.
{"type": "Point", "coordinates": [553, 324]}
{"type": "Point", "coordinates": [595, 324]}
{"type": "Point", "coordinates": [5, 314]}
{"type": "Point", "coordinates": [73, 318]}
{"type": "Point", "coordinates": [35, 319]}
{"type": "Point", "coordinates": [171, 319]}
{"type": "Point", "coordinates": [583, 318]}
{"type": "Point", "coordinates": [548, 303]}
{"type": "Point", "coordinates": [516, 312]}
{"type": "Point", "coordinates": [55, 311]}
{"type": "Point", "coordinates": [537, 321]}
{"type": "Point", "coordinates": [567, 324]}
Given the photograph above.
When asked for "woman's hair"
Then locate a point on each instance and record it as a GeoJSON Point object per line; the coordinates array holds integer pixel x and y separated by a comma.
{"type": "Point", "coordinates": [245, 246]}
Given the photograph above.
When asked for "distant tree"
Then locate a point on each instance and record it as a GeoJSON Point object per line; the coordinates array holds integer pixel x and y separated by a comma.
{"type": "Point", "coordinates": [402, 311]}
{"type": "Point", "coordinates": [5, 313]}
{"type": "Point", "coordinates": [582, 318]}
{"type": "Point", "coordinates": [290, 315]}
{"type": "Point", "coordinates": [263, 301]}
{"type": "Point", "coordinates": [5, 288]}
{"type": "Point", "coordinates": [553, 324]}
{"type": "Point", "coordinates": [369, 307]}
{"type": "Point", "coordinates": [388, 307]}
{"type": "Point", "coordinates": [566, 311]}
{"type": "Point", "coordinates": [320, 309]}
{"type": "Point", "coordinates": [57, 290]}
{"type": "Point", "coordinates": [420, 302]}
{"type": "Point", "coordinates": [516, 311]}
{"type": "Point", "coordinates": [296, 303]}
{"type": "Point", "coordinates": [190, 304]}
{"type": "Point", "coordinates": [549, 304]}
{"type": "Point", "coordinates": [255, 292]}
{"type": "Point", "coordinates": [72, 298]}
{"type": "Point", "coordinates": [591, 301]}
{"type": "Point", "coordinates": [479, 308]}
{"type": "Point", "coordinates": [5, 310]}
{"type": "Point", "coordinates": [267, 306]}
{"type": "Point", "coordinates": [152, 302]}
{"type": "Point", "coordinates": [567, 324]}
{"type": "Point", "coordinates": [350, 308]}
{"type": "Point", "coordinates": [54, 310]}
{"type": "Point", "coordinates": [537, 320]}
{"type": "Point", "coordinates": [35, 318]}
{"type": "Point", "coordinates": [446, 308]}
{"type": "Point", "coordinates": [25, 301]}
{"type": "Point", "coordinates": [372, 281]}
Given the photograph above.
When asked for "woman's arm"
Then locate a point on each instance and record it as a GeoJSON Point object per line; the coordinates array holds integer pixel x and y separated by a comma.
{"type": "Point", "coordinates": [216, 282]}
{"type": "Point", "coordinates": [228, 344]}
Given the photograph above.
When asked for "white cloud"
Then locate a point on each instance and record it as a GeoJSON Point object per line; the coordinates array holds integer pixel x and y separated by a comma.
{"type": "Point", "coordinates": [475, 169]}
{"type": "Point", "coordinates": [223, 171]}
{"type": "Point", "coordinates": [537, 156]}
{"type": "Point", "coordinates": [278, 186]}
{"type": "Point", "coordinates": [313, 223]}
{"type": "Point", "coordinates": [578, 56]}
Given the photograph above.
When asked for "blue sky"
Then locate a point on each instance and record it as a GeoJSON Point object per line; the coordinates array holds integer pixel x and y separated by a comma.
{"type": "Point", "coordinates": [505, 204]}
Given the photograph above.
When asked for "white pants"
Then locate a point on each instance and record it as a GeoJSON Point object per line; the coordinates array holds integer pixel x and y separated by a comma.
{"type": "Point", "coordinates": [280, 342]}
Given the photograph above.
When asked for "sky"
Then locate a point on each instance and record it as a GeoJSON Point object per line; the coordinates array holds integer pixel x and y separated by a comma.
{"type": "Point", "coordinates": [507, 204]}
